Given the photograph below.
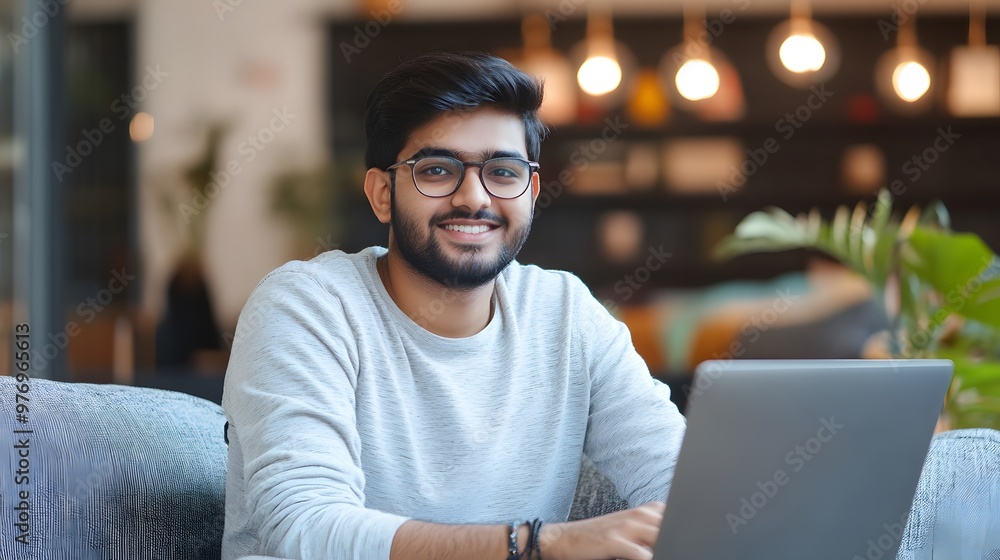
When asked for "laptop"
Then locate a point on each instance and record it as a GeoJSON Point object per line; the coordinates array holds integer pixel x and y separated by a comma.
{"type": "Point", "coordinates": [798, 459]}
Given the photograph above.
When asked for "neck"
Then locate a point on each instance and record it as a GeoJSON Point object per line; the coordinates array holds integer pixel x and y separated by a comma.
{"type": "Point", "coordinates": [444, 311]}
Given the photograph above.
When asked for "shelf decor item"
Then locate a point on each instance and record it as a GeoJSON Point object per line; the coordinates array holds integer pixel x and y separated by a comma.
{"type": "Point", "coordinates": [940, 289]}
{"type": "Point", "coordinates": [648, 104]}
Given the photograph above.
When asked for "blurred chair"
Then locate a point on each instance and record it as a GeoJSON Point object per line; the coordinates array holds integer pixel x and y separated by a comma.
{"type": "Point", "coordinates": [116, 472]}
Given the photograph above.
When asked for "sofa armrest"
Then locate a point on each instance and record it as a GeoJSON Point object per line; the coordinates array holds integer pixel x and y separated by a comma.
{"type": "Point", "coordinates": [956, 507]}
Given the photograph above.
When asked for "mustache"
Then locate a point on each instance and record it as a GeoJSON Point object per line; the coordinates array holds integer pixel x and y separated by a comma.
{"type": "Point", "coordinates": [460, 215]}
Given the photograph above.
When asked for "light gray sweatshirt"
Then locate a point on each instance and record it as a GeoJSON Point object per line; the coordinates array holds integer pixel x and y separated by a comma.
{"type": "Point", "coordinates": [347, 417]}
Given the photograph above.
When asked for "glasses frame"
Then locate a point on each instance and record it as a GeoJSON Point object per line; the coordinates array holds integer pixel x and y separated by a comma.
{"type": "Point", "coordinates": [533, 167]}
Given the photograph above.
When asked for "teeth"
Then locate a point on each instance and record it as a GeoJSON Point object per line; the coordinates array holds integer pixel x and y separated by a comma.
{"type": "Point", "coordinates": [467, 229]}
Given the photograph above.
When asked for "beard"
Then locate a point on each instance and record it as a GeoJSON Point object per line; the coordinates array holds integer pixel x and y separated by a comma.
{"type": "Point", "coordinates": [474, 268]}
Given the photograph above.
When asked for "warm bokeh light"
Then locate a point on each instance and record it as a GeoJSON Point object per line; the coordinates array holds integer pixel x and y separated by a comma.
{"type": "Point", "coordinates": [974, 81]}
{"type": "Point", "coordinates": [141, 127]}
{"type": "Point", "coordinates": [910, 80]}
{"type": "Point", "coordinates": [599, 75]}
{"type": "Point", "coordinates": [647, 104]}
{"type": "Point", "coordinates": [802, 52]}
{"type": "Point", "coordinates": [559, 103]}
{"type": "Point", "coordinates": [697, 79]}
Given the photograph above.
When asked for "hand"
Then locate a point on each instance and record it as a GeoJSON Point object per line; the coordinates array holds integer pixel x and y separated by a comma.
{"type": "Point", "coordinates": [628, 534]}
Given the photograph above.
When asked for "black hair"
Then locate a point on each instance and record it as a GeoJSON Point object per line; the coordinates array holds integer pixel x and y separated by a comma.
{"type": "Point", "coordinates": [429, 85]}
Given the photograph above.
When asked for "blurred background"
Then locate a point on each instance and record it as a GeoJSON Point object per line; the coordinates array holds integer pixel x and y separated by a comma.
{"type": "Point", "coordinates": [159, 157]}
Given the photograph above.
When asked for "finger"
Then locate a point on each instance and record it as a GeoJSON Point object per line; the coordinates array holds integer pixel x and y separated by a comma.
{"type": "Point", "coordinates": [640, 531]}
{"type": "Point", "coordinates": [655, 506]}
{"type": "Point", "coordinates": [647, 534]}
{"type": "Point", "coordinates": [649, 515]}
{"type": "Point", "coordinates": [635, 551]}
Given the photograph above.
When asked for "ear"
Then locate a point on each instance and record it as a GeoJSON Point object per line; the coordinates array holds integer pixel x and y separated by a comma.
{"type": "Point", "coordinates": [377, 189]}
{"type": "Point", "coordinates": [536, 187]}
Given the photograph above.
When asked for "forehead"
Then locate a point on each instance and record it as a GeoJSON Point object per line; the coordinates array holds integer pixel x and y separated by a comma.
{"type": "Point", "coordinates": [480, 131]}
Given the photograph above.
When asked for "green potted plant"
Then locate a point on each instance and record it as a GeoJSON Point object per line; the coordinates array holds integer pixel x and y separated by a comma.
{"type": "Point", "coordinates": [309, 204]}
{"type": "Point", "coordinates": [940, 289]}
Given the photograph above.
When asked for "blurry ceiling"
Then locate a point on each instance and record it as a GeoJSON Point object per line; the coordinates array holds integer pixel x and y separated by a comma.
{"type": "Point", "coordinates": [479, 9]}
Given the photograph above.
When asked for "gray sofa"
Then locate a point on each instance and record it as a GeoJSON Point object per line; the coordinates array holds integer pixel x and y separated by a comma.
{"type": "Point", "coordinates": [135, 473]}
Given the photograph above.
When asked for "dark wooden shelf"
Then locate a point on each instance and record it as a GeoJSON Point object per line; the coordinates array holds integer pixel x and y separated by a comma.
{"type": "Point", "coordinates": [804, 173]}
{"type": "Point", "coordinates": [659, 200]}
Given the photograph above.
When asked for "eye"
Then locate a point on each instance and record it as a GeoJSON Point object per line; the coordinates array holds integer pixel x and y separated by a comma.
{"type": "Point", "coordinates": [432, 171]}
{"type": "Point", "coordinates": [435, 170]}
{"type": "Point", "coordinates": [506, 171]}
{"type": "Point", "coordinates": [503, 172]}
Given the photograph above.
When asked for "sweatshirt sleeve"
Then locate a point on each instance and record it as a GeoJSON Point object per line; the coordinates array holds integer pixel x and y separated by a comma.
{"type": "Point", "coordinates": [634, 431]}
{"type": "Point", "coordinates": [290, 399]}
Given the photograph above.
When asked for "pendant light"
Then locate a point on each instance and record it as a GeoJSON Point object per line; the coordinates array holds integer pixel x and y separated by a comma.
{"type": "Point", "coordinates": [800, 50]}
{"type": "Point", "coordinates": [699, 77]}
{"type": "Point", "coordinates": [689, 66]}
{"type": "Point", "coordinates": [539, 59]}
{"type": "Point", "coordinates": [604, 65]}
{"type": "Point", "coordinates": [601, 72]}
{"type": "Point", "coordinates": [903, 74]}
{"type": "Point", "coordinates": [974, 71]}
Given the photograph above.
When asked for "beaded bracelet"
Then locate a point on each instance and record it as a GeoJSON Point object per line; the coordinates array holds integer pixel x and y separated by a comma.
{"type": "Point", "coordinates": [533, 549]}
{"type": "Point", "coordinates": [512, 543]}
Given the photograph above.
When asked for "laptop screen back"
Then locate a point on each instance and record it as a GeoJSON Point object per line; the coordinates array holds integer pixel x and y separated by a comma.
{"type": "Point", "coordinates": [801, 459]}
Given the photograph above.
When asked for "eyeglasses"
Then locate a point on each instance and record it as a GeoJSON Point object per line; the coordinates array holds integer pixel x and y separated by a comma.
{"type": "Point", "coordinates": [439, 176]}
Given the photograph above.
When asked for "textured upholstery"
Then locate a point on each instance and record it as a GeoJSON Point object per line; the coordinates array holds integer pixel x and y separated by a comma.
{"type": "Point", "coordinates": [132, 473]}
{"type": "Point", "coordinates": [957, 502]}
{"type": "Point", "coordinates": [595, 495]}
{"type": "Point", "coordinates": [116, 472]}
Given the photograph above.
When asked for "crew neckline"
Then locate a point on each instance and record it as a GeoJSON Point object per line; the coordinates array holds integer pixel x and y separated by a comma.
{"type": "Point", "coordinates": [371, 256]}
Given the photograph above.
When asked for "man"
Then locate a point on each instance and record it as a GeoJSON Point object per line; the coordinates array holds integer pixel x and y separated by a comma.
{"type": "Point", "coordinates": [417, 402]}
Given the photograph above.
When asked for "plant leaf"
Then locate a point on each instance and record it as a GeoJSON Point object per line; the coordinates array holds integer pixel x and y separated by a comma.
{"type": "Point", "coordinates": [961, 268]}
{"type": "Point", "coordinates": [773, 230]}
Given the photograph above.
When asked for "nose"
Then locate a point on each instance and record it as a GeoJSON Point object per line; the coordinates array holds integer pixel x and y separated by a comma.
{"type": "Point", "coordinates": [472, 192]}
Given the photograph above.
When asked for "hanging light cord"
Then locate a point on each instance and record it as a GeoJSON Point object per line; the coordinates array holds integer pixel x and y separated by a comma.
{"type": "Point", "coordinates": [977, 23]}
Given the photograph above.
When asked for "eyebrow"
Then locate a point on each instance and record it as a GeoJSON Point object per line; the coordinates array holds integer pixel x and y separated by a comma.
{"type": "Point", "coordinates": [465, 156]}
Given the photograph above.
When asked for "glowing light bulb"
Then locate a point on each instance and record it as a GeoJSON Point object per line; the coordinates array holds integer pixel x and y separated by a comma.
{"type": "Point", "coordinates": [599, 75]}
{"type": "Point", "coordinates": [910, 80]}
{"type": "Point", "coordinates": [802, 52]}
{"type": "Point", "coordinates": [140, 128]}
{"type": "Point", "coordinates": [697, 79]}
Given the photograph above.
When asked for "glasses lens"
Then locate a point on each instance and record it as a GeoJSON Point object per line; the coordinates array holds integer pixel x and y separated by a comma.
{"type": "Point", "coordinates": [506, 177]}
{"type": "Point", "coordinates": [436, 176]}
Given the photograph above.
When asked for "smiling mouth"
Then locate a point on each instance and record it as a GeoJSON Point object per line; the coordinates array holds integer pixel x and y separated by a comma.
{"type": "Point", "coordinates": [468, 229]}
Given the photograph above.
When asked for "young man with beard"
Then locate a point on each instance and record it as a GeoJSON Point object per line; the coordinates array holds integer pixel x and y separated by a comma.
{"type": "Point", "coordinates": [427, 400]}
